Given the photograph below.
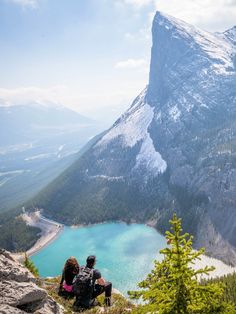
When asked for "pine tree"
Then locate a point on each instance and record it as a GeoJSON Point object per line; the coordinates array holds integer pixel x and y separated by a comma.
{"type": "Point", "coordinates": [30, 265]}
{"type": "Point", "coordinates": [173, 287]}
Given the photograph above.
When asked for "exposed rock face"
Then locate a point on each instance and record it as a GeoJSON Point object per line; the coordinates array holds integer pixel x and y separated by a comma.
{"type": "Point", "coordinates": [19, 292]}
{"type": "Point", "coordinates": [173, 149]}
{"type": "Point", "coordinates": [11, 270]}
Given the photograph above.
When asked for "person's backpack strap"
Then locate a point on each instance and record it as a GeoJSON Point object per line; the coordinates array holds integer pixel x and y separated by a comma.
{"type": "Point", "coordinates": [91, 274]}
{"type": "Point", "coordinates": [83, 283]}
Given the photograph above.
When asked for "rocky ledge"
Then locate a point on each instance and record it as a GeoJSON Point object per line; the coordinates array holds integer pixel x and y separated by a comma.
{"type": "Point", "coordinates": [19, 292]}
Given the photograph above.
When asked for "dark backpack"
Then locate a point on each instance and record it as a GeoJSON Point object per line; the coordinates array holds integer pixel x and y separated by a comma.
{"type": "Point", "coordinates": [83, 285]}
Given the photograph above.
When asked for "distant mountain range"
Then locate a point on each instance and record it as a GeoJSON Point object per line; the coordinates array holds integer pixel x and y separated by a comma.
{"type": "Point", "coordinates": [174, 149]}
{"type": "Point", "coordinates": [22, 124]}
{"type": "Point", "coordinates": [38, 142]}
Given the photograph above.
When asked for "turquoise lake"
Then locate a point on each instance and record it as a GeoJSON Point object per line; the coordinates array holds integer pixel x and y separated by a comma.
{"type": "Point", "coordinates": [125, 253]}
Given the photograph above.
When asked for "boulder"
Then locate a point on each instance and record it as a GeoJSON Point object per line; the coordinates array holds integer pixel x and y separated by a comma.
{"type": "Point", "coordinates": [7, 309]}
{"type": "Point", "coordinates": [19, 292]}
{"type": "Point", "coordinates": [49, 306]}
{"type": "Point", "coordinates": [10, 269]}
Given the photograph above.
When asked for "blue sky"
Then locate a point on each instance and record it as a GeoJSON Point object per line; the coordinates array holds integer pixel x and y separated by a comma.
{"type": "Point", "coordinates": [90, 55]}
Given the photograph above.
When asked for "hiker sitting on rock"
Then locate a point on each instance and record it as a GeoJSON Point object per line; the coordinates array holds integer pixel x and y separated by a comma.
{"type": "Point", "coordinates": [70, 270]}
{"type": "Point", "coordinates": [89, 284]}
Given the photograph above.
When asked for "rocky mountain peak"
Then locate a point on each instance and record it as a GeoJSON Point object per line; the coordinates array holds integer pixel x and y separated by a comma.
{"type": "Point", "coordinates": [179, 47]}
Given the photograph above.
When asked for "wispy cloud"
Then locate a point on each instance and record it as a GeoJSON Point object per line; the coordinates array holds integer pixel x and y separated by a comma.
{"type": "Point", "coordinates": [25, 3]}
{"type": "Point", "coordinates": [201, 13]}
{"type": "Point", "coordinates": [138, 3]}
{"type": "Point", "coordinates": [131, 64]}
{"type": "Point", "coordinates": [99, 104]}
{"type": "Point", "coordinates": [24, 95]}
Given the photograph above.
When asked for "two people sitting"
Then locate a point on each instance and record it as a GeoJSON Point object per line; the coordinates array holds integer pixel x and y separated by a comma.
{"type": "Point", "coordinates": [85, 282]}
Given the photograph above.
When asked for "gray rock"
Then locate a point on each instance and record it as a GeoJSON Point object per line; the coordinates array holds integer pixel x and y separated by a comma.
{"type": "Point", "coordinates": [10, 269]}
{"type": "Point", "coordinates": [19, 292]}
{"type": "Point", "coordinates": [7, 309]}
{"type": "Point", "coordinates": [49, 306]}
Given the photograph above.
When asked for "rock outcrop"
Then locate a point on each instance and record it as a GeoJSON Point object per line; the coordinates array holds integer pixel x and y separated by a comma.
{"type": "Point", "coordinates": [19, 292]}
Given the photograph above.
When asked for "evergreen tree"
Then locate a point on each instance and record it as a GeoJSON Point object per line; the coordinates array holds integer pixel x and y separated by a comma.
{"type": "Point", "coordinates": [173, 287]}
{"type": "Point", "coordinates": [229, 282]}
{"type": "Point", "coordinates": [30, 265]}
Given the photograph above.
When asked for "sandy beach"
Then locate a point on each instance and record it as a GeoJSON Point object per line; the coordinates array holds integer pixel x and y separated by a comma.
{"type": "Point", "coordinates": [49, 230]}
{"type": "Point", "coordinates": [221, 268]}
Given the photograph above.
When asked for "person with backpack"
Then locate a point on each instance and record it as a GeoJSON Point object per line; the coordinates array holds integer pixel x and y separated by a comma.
{"type": "Point", "coordinates": [70, 270]}
{"type": "Point", "coordinates": [89, 284]}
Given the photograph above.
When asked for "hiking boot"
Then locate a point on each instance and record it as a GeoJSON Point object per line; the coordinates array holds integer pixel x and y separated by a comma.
{"type": "Point", "coordinates": [78, 308]}
{"type": "Point", "coordinates": [95, 303]}
{"type": "Point", "coordinates": [108, 301]}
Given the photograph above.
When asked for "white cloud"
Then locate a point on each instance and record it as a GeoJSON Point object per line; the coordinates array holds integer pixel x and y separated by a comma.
{"type": "Point", "coordinates": [26, 3]}
{"type": "Point", "coordinates": [25, 95]}
{"type": "Point", "coordinates": [102, 104]}
{"type": "Point", "coordinates": [138, 3]}
{"type": "Point", "coordinates": [131, 64]}
{"type": "Point", "coordinates": [62, 94]}
{"type": "Point", "coordinates": [212, 15]}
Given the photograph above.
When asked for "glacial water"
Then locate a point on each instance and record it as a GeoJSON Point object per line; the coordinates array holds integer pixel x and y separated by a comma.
{"type": "Point", "coordinates": [125, 253]}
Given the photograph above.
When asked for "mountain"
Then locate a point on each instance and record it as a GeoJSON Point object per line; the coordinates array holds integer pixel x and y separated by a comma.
{"type": "Point", "coordinates": [39, 141]}
{"type": "Point", "coordinates": [35, 121]}
{"type": "Point", "coordinates": [174, 149]}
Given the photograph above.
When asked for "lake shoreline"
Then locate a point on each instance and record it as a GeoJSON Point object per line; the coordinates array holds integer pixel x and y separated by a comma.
{"type": "Point", "coordinates": [52, 229]}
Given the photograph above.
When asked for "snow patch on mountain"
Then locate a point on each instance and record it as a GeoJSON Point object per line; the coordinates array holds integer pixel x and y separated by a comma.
{"type": "Point", "coordinates": [175, 113]}
{"type": "Point", "coordinates": [150, 158]}
{"type": "Point", "coordinates": [132, 128]}
{"type": "Point", "coordinates": [108, 178]}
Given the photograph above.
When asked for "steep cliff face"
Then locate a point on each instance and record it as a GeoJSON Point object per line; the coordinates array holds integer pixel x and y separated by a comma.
{"type": "Point", "coordinates": [174, 148]}
{"type": "Point", "coordinates": [19, 292]}
{"type": "Point", "coordinates": [193, 89]}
